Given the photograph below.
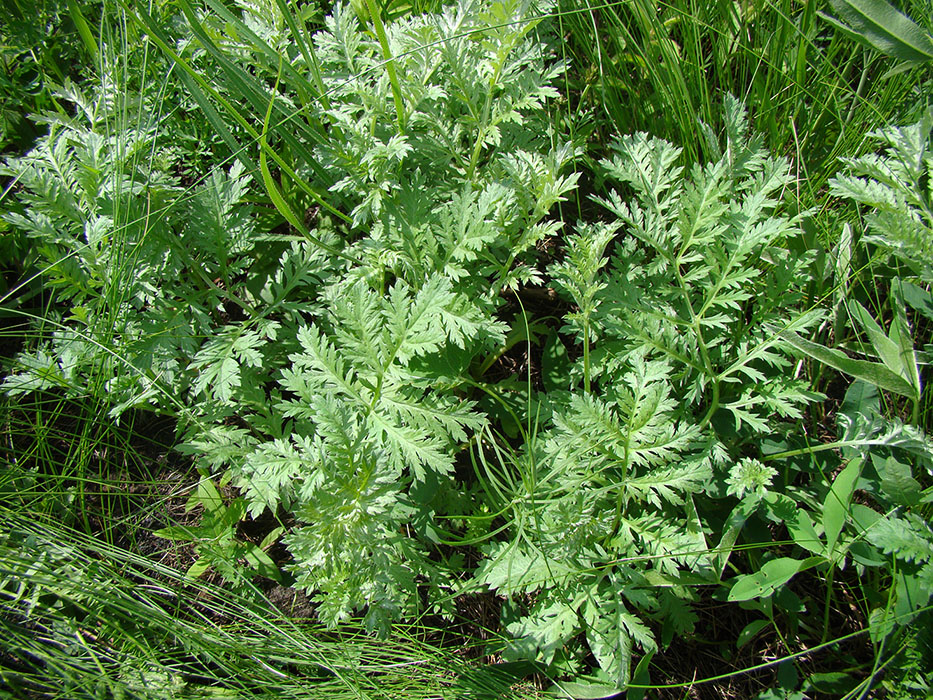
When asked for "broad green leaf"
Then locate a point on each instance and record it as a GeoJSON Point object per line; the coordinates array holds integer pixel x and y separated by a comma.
{"type": "Point", "coordinates": [207, 496]}
{"type": "Point", "coordinates": [880, 624]}
{"type": "Point", "coordinates": [861, 550]}
{"type": "Point", "coordinates": [555, 363]}
{"type": "Point", "coordinates": [804, 533]}
{"type": "Point", "coordinates": [271, 538]}
{"type": "Point", "coordinates": [580, 690]}
{"type": "Point", "coordinates": [865, 554]}
{"type": "Point", "coordinates": [887, 349]}
{"type": "Point", "coordinates": [177, 533]}
{"type": "Point", "coordinates": [871, 372]}
{"type": "Point", "coordinates": [731, 531]}
{"type": "Point", "coordinates": [879, 25]}
{"type": "Point", "coordinates": [749, 631]}
{"type": "Point", "coordinates": [912, 593]}
{"type": "Point", "coordinates": [232, 514]}
{"type": "Point", "coordinates": [897, 482]}
{"type": "Point", "coordinates": [641, 676]}
{"type": "Point", "coordinates": [862, 398]}
{"type": "Point", "coordinates": [900, 336]}
{"type": "Point", "coordinates": [920, 299]}
{"type": "Point", "coordinates": [199, 568]}
{"type": "Point", "coordinates": [836, 505]}
{"type": "Point", "coordinates": [261, 563]}
{"type": "Point", "coordinates": [833, 683]}
{"type": "Point", "coordinates": [84, 31]}
{"type": "Point", "coordinates": [772, 575]}
{"type": "Point", "coordinates": [780, 507]}
{"type": "Point", "coordinates": [863, 517]}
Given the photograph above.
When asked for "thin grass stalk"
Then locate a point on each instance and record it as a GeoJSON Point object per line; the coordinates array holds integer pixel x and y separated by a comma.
{"type": "Point", "coordinates": [376, 17]}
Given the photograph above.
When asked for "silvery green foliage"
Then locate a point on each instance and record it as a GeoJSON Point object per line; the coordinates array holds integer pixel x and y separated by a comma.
{"type": "Point", "coordinates": [130, 254]}
{"type": "Point", "coordinates": [474, 83]}
{"type": "Point", "coordinates": [330, 381]}
{"type": "Point", "coordinates": [361, 409]}
{"type": "Point", "coordinates": [676, 304]}
{"type": "Point", "coordinates": [718, 238]}
{"type": "Point", "coordinates": [331, 374]}
{"type": "Point", "coordinates": [895, 187]}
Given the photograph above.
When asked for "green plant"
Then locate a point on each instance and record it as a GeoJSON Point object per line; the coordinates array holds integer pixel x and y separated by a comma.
{"type": "Point", "coordinates": [898, 370]}
{"type": "Point", "coordinates": [682, 369]}
{"type": "Point", "coordinates": [663, 68]}
{"type": "Point", "coordinates": [40, 48]}
{"type": "Point", "coordinates": [332, 252]}
{"type": "Point", "coordinates": [879, 25]}
{"type": "Point", "coordinates": [215, 539]}
{"type": "Point", "coordinates": [83, 619]}
{"type": "Point", "coordinates": [110, 231]}
{"type": "Point", "coordinates": [869, 517]}
{"type": "Point", "coordinates": [894, 187]}
{"type": "Point", "coordinates": [351, 390]}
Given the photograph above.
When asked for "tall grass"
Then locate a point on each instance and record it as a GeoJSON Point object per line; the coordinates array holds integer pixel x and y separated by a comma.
{"type": "Point", "coordinates": [82, 619]}
{"type": "Point", "coordinates": [663, 68]}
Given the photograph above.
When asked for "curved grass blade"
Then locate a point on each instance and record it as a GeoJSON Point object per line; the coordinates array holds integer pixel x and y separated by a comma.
{"type": "Point", "coordinates": [157, 36]}
{"type": "Point", "coordinates": [390, 63]}
{"type": "Point", "coordinates": [277, 199]}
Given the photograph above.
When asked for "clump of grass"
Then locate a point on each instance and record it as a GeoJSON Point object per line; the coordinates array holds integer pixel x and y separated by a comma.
{"type": "Point", "coordinates": [82, 619]}
{"type": "Point", "coordinates": [663, 68]}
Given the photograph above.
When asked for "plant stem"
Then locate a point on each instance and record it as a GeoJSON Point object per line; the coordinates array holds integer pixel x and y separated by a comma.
{"type": "Point", "coordinates": [827, 602]}
{"type": "Point", "coordinates": [390, 63]}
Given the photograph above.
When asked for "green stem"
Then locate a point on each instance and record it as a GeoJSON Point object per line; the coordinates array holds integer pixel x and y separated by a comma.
{"type": "Point", "coordinates": [272, 189]}
{"type": "Point", "coordinates": [862, 85]}
{"type": "Point", "coordinates": [84, 31]}
{"type": "Point", "coordinates": [701, 344]}
{"type": "Point", "coordinates": [713, 405]}
{"type": "Point", "coordinates": [827, 603]}
{"type": "Point", "coordinates": [390, 63]}
{"type": "Point", "coordinates": [822, 447]}
{"type": "Point", "coordinates": [487, 108]}
{"type": "Point", "coordinates": [307, 50]}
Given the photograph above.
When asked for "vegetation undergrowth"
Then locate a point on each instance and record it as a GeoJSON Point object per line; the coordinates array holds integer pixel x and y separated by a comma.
{"type": "Point", "coordinates": [479, 350]}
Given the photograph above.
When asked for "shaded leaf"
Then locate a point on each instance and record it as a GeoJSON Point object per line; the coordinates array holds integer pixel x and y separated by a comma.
{"type": "Point", "coordinates": [880, 26]}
